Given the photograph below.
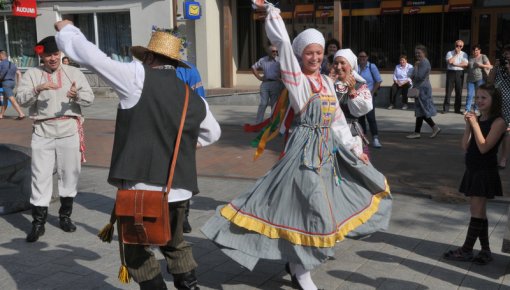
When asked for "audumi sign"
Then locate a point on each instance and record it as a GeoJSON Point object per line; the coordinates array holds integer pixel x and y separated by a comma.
{"type": "Point", "coordinates": [24, 8]}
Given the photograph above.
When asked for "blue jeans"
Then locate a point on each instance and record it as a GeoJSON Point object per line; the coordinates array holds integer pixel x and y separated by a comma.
{"type": "Point", "coordinates": [471, 90]}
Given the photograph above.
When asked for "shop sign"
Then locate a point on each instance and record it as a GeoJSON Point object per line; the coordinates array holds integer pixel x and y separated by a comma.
{"type": "Point", "coordinates": [24, 8]}
{"type": "Point", "coordinates": [413, 3]}
{"type": "Point", "coordinates": [192, 10]}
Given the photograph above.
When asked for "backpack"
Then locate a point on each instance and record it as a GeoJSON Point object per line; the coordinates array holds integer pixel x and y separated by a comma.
{"type": "Point", "coordinates": [12, 67]}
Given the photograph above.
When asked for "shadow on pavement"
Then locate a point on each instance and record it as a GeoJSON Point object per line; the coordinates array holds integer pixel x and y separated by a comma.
{"type": "Point", "coordinates": [389, 283]}
{"type": "Point", "coordinates": [36, 256]}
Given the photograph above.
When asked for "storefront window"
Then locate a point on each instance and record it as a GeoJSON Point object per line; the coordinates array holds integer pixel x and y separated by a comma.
{"type": "Point", "coordinates": [379, 36]}
{"type": "Point", "coordinates": [19, 40]}
{"type": "Point", "coordinates": [385, 29]}
{"type": "Point", "coordinates": [114, 32]}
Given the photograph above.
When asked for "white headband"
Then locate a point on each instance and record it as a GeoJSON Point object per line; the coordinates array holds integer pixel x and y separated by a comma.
{"type": "Point", "coordinates": [353, 61]}
{"type": "Point", "coordinates": [305, 38]}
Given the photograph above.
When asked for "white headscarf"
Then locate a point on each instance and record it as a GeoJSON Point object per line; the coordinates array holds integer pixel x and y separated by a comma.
{"type": "Point", "coordinates": [305, 38]}
{"type": "Point", "coordinates": [353, 61]}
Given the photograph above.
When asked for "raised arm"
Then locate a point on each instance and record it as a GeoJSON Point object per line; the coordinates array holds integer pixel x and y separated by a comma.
{"type": "Point", "coordinates": [485, 144]}
{"type": "Point", "coordinates": [291, 74]}
{"type": "Point", "coordinates": [360, 103]}
{"type": "Point", "coordinates": [125, 78]}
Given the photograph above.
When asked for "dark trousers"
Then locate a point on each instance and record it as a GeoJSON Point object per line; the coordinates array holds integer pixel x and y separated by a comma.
{"type": "Point", "coordinates": [140, 260]}
{"type": "Point", "coordinates": [454, 79]}
{"type": "Point", "coordinates": [396, 90]}
{"type": "Point", "coordinates": [372, 123]}
{"type": "Point", "coordinates": [419, 123]}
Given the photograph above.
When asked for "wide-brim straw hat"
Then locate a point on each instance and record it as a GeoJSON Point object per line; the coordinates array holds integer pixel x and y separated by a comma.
{"type": "Point", "coordinates": [162, 43]}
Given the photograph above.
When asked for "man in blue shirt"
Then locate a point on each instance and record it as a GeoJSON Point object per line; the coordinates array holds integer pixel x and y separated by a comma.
{"type": "Point", "coordinates": [371, 74]}
{"type": "Point", "coordinates": [192, 78]}
{"type": "Point", "coordinates": [8, 72]}
{"type": "Point", "coordinates": [272, 85]}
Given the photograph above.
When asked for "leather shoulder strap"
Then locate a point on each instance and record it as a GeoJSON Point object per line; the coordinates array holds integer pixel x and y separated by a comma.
{"type": "Point", "coordinates": [178, 141]}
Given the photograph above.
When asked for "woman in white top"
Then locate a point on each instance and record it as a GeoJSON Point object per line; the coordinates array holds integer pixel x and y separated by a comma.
{"type": "Point", "coordinates": [401, 82]}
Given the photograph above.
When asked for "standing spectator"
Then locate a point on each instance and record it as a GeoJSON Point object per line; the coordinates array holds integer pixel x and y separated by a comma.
{"type": "Point", "coordinates": [370, 73]}
{"type": "Point", "coordinates": [401, 82]}
{"type": "Point", "coordinates": [476, 63]}
{"type": "Point", "coordinates": [424, 106]}
{"type": "Point", "coordinates": [481, 180]}
{"type": "Point", "coordinates": [271, 81]}
{"type": "Point", "coordinates": [8, 76]}
{"type": "Point", "coordinates": [332, 46]}
{"type": "Point", "coordinates": [54, 95]}
{"type": "Point", "coordinates": [191, 77]}
{"type": "Point", "coordinates": [457, 61]}
{"type": "Point", "coordinates": [151, 89]}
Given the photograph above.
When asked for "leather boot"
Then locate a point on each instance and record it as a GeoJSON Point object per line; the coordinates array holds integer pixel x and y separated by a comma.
{"type": "Point", "coordinates": [64, 214]}
{"type": "Point", "coordinates": [186, 281]}
{"type": "Point", "coordinates": [39, 214]}
{"type": "Point", "coordinates": [186, 226]}
{"type": "Point", "coordinates": [156, 283]}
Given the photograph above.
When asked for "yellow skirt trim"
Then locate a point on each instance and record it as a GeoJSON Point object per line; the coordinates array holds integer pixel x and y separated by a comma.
{"type": "Point", "coordinates": [298, 237]}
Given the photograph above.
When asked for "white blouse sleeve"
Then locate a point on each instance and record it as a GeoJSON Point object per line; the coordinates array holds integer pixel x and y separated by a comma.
{"type": "Point", "coordinates": [210, 130]}
{"type": "Point", "coordinates": [291, 74]}
{"type": "Point", "coordinates": [125, 78]}
{"type": "Point", "coordinates": [360, 103]}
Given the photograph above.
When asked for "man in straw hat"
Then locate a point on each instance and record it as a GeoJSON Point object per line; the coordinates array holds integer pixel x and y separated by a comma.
{"type": "Point", "coordinates": [151, 101]}
{"type": "Point", "coordinates": [54, 94]}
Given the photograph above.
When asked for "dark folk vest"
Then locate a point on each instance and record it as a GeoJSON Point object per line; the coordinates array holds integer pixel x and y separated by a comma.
{"type": "Point", "coordinates": [145, 134]}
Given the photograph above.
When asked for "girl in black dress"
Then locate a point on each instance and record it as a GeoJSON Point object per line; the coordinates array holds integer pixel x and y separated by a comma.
{"type": "Point", "coordinates": [481, 181]}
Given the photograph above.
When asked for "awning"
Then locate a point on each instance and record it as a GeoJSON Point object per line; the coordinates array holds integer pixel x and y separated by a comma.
{"type": "Point", "coordinates": [24, 8]}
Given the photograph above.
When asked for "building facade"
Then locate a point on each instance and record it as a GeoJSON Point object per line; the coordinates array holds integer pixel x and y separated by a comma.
{"type": "Point", "coordinates": [229, 37]}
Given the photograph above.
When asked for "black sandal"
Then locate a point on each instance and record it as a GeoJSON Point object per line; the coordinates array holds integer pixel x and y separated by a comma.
{"type": "Point", "coordinates": [458, 255]}
{"type": "Point", "coordinates": [483, 257]}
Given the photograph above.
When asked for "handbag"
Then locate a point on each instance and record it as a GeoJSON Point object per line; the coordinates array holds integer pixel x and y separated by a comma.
{"type": "Point", "coordinates": [413, 92]}
{"type": "Point", "coordinates": [143, 216]}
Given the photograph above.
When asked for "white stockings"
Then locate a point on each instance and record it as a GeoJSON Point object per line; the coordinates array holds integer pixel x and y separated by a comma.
{"type": "Point", "coordinates": [303, 276]}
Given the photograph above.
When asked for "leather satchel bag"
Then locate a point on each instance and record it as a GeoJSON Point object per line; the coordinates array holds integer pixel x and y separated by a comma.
{"type": "Point", "coordinates": [143, 216]}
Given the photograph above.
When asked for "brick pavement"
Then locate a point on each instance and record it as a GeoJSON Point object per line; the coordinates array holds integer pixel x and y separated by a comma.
{"type": "Point", "coordinates": [407, 256]}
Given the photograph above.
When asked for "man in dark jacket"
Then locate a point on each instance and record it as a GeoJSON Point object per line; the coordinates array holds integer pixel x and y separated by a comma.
{"type": "Point", "coordinates": [151, 101]}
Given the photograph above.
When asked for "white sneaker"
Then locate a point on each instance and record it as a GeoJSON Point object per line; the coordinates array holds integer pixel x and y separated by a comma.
{"type": "Point", "coordinates": [376, 143]}
{"type": "Point", "coordinates": [435, 131]}
{"type": "Point", "coordinates": [404, 107]}
{"type": "Point", "coordinates": [390, 107]}
{"type": "Point", "coordinates": [414, 136]}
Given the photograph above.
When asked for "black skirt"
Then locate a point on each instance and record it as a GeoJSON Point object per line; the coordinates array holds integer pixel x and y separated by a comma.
{"type": "Point", "coordinates": [482, 182]}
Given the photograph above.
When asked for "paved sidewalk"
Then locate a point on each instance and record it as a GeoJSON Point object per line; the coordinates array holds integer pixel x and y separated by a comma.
{"type": "Point", "coordinates": [428, 216]}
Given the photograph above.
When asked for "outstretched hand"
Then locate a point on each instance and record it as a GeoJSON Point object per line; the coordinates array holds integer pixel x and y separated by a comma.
{"type": "Point", "coordinates": [73, 91]}
{"type": "Point", "coordinates": [258, 3]}
{"type": "Point", "coordinates": [364, 157]}
{"type": "Point", "coordinates": [470, 118]}
{"type": "Point", "coordinates": [46, 86]}
{"type": "Point", "coordinates": [60, 24]}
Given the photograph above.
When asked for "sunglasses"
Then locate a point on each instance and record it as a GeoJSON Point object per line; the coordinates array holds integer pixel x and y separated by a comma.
{"type": "Point", "coordinates": [274, 51]}
{"type": "Point", "coordinates": [459, 45]}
